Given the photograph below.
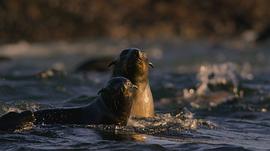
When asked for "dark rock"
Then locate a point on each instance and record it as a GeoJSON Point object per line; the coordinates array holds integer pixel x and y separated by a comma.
{"type": "Point", "coordinates": [98, 64]}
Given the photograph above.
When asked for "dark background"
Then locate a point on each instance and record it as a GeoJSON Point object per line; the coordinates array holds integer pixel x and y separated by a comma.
{"type": "Point", "coordinates": [49, 20]}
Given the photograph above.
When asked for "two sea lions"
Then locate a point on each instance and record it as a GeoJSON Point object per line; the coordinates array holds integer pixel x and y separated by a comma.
{"type": "Point", "coordinates": [111, 106]}
{"type": "Point", "coordinates": [134, 65]}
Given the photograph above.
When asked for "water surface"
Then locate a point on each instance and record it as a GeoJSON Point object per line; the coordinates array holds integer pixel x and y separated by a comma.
{"type": "Point", "coordinates": [208, 96]}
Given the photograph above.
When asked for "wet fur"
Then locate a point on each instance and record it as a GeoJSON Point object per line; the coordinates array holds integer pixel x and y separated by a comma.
{"type": "Point", "coordinates": [134, 65]}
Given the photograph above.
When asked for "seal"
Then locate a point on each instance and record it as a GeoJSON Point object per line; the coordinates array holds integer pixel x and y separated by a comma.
{"type": "Point", "coordinates": [134, 65]}
{"type": "Point", "coordinates": [111, 106]}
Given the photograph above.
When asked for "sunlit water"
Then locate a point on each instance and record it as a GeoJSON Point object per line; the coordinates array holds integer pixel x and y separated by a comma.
{"type": "Point", "coordinates": [208, 96]}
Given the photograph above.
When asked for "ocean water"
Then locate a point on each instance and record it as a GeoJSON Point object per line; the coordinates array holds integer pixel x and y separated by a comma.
{"type": "Point", "coordinates": [208, 96]}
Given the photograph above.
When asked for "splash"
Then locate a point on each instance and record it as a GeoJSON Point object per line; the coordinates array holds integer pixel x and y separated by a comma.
{"type": "Point", "coordinates": [18, 107]}
{"type": "Point", "coordinates": [160, 125]}
{"type": "Point", "coordinates": [27, 126]}
{"type": "Point", "coordinates": [218, 83]}
{"type": "Point", "coordinates": [52, 72]}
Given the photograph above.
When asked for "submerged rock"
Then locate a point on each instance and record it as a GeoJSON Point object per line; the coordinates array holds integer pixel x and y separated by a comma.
{"type": "Point", "coordinates": [4, 58]}
{"type": "Point", "coordinates": [98, 64]}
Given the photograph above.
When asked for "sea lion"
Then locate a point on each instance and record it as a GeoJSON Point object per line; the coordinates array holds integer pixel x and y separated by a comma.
{"type": "Point", "coordinates": [111, 106]}
{"type": "Point", "coordinates": [134, 65]}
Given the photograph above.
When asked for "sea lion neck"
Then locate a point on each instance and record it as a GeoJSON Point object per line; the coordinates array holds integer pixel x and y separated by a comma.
{"type": "Point", "coordinates": [141, 84]}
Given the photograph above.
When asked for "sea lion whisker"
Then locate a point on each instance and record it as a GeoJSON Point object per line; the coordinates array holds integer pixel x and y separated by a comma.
{"type": "Point", "coordinates": [135, 86]}
{"type": "Point", "coordinates": [151, 65]}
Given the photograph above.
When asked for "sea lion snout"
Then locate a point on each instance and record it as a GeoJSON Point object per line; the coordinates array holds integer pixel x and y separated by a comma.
{"type": "Point", "coordinates": [131, 57]}
{"type": "Point", "coordinates": [127, 51]}
{"type": "Point", "coordinates": [139, 54]}
{"type": "Point", "coordinates": [136, 56]}
{"type": "Point", "coordinates": [134, 53]}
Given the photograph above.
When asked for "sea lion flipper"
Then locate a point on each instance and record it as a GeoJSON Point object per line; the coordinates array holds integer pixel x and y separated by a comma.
{"type": "Point", "coordinates": [13, 120]}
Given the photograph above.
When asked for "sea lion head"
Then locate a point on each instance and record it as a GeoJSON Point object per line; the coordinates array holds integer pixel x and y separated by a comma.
{"type": "Point", "coordinates": [133, 64]}
{"type": "Point", "coordinates": [117, 96]}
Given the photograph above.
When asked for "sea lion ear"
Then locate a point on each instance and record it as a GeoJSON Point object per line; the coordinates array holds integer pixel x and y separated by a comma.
{"type": "Point", "coordinates": [151, 65]}
{"type": "Point", "coordinates": [112, 63]}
